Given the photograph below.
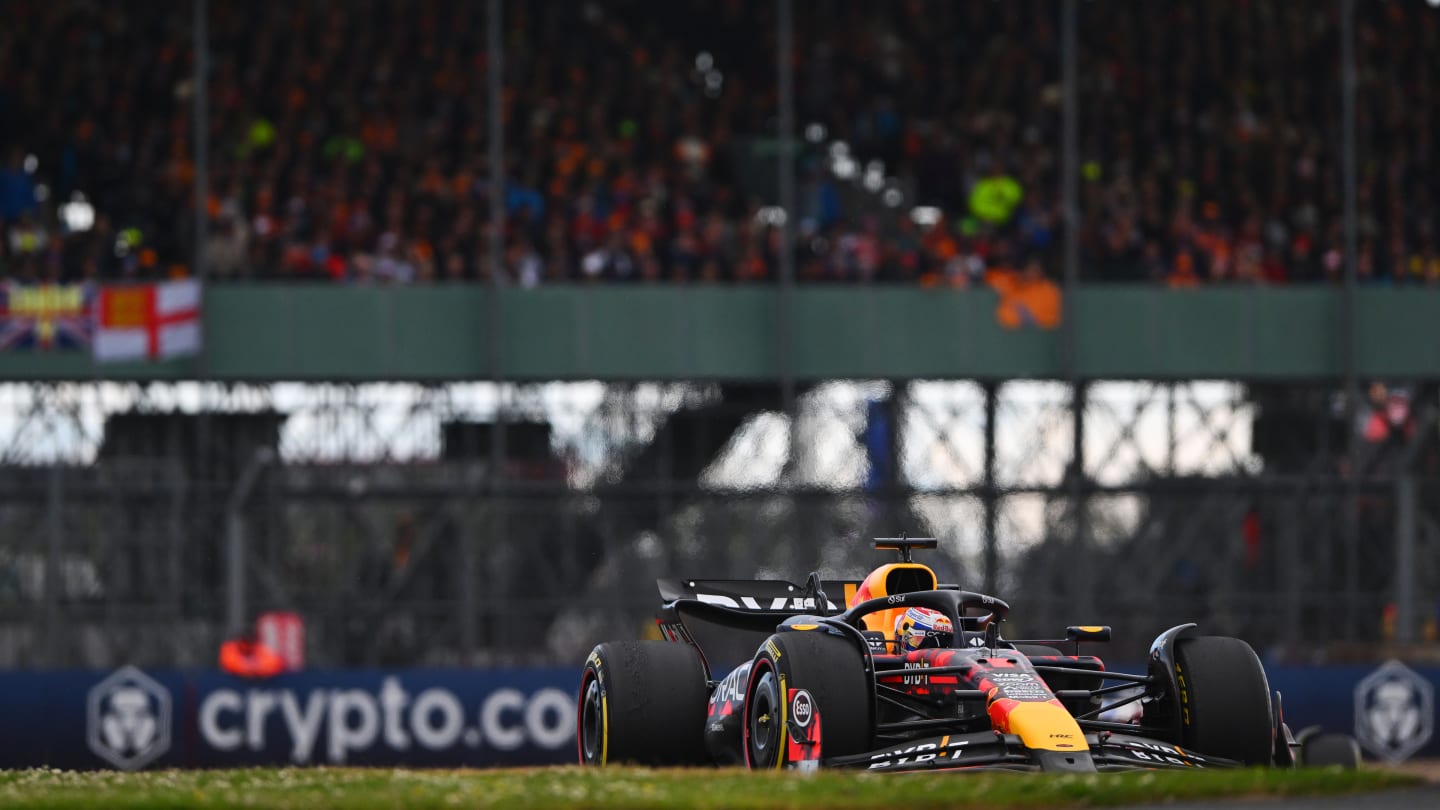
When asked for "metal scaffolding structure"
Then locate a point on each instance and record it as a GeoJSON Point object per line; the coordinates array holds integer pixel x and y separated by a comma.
{"type": "Point", "coordinates": [371, 510]}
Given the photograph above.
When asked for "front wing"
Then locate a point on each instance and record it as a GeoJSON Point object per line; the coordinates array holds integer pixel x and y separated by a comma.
{"type": "Point", "coordinates": [994, 751]}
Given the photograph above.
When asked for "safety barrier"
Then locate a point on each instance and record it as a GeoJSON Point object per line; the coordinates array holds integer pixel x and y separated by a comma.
{"type": "Point", "coordinates": [1390, 707]}
{"type": "Point", "coordinates": [131, 719]}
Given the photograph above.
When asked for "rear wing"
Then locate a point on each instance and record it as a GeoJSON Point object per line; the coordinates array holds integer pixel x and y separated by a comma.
{"type": "Point", "coordinates": [767, 595]}
{"type": "Point", "coordinates": [728, 619]}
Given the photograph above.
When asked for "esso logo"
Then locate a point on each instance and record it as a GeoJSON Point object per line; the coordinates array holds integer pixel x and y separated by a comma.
{"type": "Point", "coordinates": [802, 708]}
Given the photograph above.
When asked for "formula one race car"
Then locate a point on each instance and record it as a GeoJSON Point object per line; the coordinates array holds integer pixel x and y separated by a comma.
{"type": "Point", "coordinates": [914, 675]}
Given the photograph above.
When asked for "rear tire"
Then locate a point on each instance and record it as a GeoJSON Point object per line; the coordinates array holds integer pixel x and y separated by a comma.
{"type": "Point", "coordinates": [642, 702]}
{"type": "Point", "coordinates": [1330, 750]}
{"type": "Point", "coordinates": [1224, 700]}
{"type": "Point", "coordinates": [831, 669]}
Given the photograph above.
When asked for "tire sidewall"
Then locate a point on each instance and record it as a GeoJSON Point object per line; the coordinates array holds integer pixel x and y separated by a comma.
{"type": "Point", "coordinates": [653, 699]}
{"type": "Point", "coordinates": [1224, 700]}
{"type": "Point", "coordinates": [593, 675]}
{"type": "Point", "coordinates": [832, 670]}
{"type": "Point", "coordinates": [765, 664]}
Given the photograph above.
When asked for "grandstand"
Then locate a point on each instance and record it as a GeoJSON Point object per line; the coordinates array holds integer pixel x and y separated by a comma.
{"type": "Point", "coordinates": [349, 143]}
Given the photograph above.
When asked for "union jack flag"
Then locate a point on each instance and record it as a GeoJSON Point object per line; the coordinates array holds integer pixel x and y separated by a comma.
{"type": "Point", "coordinates": [46, 317]}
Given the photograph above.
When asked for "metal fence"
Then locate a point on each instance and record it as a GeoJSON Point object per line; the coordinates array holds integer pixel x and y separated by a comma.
{"type": "Point", "coordinates": [402, 555]}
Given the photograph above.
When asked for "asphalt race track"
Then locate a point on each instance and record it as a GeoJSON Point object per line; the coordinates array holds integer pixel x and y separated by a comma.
{"type": "Point", "coordinates": [1426, 797]}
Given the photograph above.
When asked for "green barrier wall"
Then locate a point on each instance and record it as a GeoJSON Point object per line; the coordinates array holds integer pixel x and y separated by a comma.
{"type": "Point", "coordinates": [290, 332]}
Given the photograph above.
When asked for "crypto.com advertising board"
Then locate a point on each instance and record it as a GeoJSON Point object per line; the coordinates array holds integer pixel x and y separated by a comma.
{"type": "Point", "coordinates": [131, 719]}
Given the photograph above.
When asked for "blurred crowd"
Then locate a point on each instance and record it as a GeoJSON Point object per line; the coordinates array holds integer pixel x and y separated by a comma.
{"type": "Point", "coordinates": [348, 141]}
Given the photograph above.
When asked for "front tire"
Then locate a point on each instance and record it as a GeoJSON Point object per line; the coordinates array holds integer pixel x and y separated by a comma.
{"type": "Point", "coordinates": [832, 670]}
{"type": "Point", "coordinates": [1224, 700]}
{"type": "Point", "coordinates": [1330, 750]}
{"type": "Point", "coordinates": [642, 702]}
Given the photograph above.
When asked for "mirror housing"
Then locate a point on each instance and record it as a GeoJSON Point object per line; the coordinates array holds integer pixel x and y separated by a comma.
{"type": "Point", "coordinates": [1087, 632]}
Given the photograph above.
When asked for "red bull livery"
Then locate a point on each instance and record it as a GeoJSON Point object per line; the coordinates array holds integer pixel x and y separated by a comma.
{"type": "Point", "coordinates": [910, 674]}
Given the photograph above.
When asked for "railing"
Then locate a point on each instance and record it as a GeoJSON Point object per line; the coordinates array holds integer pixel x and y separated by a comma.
{"type": "Point", "coordinates": [268, 332]}
{"type": "Point", "coordinates": [432, 570]}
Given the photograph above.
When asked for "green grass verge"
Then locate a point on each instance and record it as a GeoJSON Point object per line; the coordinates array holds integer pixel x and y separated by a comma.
{"type": "Point", "coordinates": [637, 788]}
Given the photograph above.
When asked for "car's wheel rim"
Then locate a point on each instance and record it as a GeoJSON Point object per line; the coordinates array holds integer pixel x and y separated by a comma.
{"type": "Point", "coordinates": [764, 721]}
{"type": "Point", "coordinates": [592, 724]}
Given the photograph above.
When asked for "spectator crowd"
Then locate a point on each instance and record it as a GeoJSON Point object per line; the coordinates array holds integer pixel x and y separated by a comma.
{"type": "Point", "coordinates": [348, 141]}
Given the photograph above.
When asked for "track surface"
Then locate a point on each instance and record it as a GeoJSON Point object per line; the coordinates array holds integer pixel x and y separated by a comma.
{"type": "Point", "coordinates": [1422, 798]}
{"type": "Point", "coordinates": [1426, 797]}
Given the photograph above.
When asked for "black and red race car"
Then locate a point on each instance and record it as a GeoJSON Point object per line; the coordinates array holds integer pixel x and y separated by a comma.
{"type": "Point", "coordinates": [770, 674]}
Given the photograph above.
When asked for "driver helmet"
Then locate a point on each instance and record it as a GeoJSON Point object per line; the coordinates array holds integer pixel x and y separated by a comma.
{"type": "Point", "coordinates": [920, 628]}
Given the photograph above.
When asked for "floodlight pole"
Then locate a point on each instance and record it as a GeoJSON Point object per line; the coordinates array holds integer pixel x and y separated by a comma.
{"type": "Point", "coordinates": [495, 254]}
{"type": "Point", "coordinates": [1070, 172]}
{"type": "Point", "coordinates": [200, 143]}
{"type": "Point", "coordinates": [1348, 81]}
{"type": "Point", "coordinates": [785, 326]}
{"type": "Point", "coordinates": [495, 20]}
{"type": "Point", "coordinates": [1069, 190]}
{"type": "Point", "coordinates": [201, 134]}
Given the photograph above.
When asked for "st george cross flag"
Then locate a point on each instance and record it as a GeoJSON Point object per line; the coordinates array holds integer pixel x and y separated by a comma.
{"type": "Point", "coordinates": [150, 321]}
